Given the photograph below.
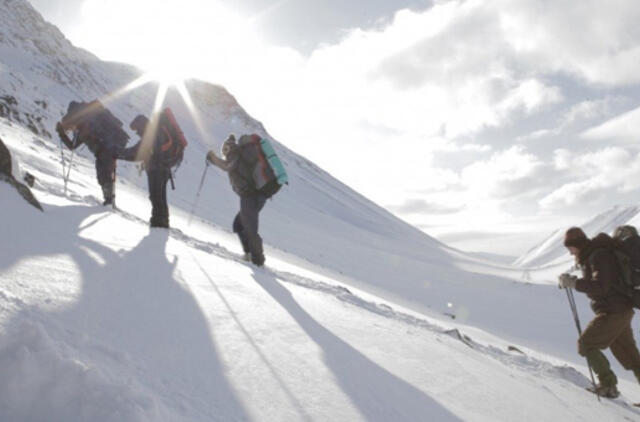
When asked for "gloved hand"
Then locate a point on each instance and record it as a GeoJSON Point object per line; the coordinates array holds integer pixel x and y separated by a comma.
{"type": "Point", "coordinates": [567, 281]}
{"type": "Point", "coordinates": [211, 156]}
{"type": "Point", "coordinates": [59, 128]}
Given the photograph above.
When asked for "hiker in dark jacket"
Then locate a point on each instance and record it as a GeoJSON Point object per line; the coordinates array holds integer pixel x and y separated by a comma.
{"type": "Point", "coordinates": [148, 150]}
{"type": "Point", "coordinates": [239, 163]}
{"type": "Point", "coordinates": [102, 142]}
{"type": "Point", "coordinates": [611, 326]}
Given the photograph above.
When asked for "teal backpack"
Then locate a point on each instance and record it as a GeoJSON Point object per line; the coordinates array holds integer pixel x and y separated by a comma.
{"type": "Point", "coordinates": [269, 174]}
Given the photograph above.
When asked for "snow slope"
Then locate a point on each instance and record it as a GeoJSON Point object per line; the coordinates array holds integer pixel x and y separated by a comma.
{"type": "Point", "coordinates": [104, 320]}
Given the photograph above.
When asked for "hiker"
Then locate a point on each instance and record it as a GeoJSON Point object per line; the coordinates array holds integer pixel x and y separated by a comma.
{"type": "Point", "coordinates": [94, 125]}
{"type": "Point", "coordinates": [611, 326]}
{"type": "Point", "coordinates": [160, 148]}
{"type": "Point", "coordinates": [255, 177]}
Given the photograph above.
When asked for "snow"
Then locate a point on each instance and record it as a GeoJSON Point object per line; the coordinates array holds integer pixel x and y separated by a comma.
{"type": "Point", "coordinates": [358, 316]}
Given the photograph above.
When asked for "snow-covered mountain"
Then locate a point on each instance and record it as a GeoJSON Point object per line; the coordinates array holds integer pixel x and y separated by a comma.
{"type": "Point", "coordinates": [551, 251]}
{"type": "Point", "coordinates": [358, 316]}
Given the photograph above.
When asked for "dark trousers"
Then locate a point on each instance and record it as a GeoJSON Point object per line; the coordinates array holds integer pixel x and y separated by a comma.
{"type": "Point", "coordinates": [246, 226]}
{"type": "Point", "coordinates": [106, 173]}
{"type": "Point", "coordinates": [157, 180]}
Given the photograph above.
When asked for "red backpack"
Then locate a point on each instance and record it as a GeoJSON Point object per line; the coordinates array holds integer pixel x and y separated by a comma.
{"type": "Point", "coordinates": [172, 151]}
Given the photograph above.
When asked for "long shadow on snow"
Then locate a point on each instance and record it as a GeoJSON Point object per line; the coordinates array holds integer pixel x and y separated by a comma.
{"type": "Point", "coordinates": [376, 393]}
{"type": "Point", "coordinates": [133, 306]}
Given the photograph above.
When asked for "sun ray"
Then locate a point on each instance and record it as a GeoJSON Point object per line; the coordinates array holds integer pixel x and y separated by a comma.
{"type": "Point", "coordinates": [152, 127]}
{"type": "Point", "coordinates": [186, 97]}
{"type": "Point", "coordinates": [136, 83]}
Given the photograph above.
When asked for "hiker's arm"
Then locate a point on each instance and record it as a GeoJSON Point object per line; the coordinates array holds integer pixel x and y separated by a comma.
{"type": "Point", "coordinates": [217, 161]}
{"type": "Point", "coordinates": [602, 274]}
{"type": "Point", "coordinates": [65, 138]}
{"type": "Point", "coordinates": [131, 153]}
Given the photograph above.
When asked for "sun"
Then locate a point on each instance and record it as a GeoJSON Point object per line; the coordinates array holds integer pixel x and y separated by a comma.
{"type": "Point", "coordinates": [171, 40]}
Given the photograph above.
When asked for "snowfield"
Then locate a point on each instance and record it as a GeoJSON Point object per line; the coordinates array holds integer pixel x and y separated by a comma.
{"type": "Point", "coordinates": [357, 316]}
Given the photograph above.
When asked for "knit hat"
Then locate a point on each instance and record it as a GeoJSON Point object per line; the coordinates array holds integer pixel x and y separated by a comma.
{"type": "Point", "coordinates": [575, 237]}
{"type": "Point", "coordinates": [228, 145]}
{"type": "Point", "coordinates": [139, 122]}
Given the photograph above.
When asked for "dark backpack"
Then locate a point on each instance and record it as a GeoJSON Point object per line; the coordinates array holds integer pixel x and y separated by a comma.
{"type": "Point", "coordinates": [628, 256]}
{"type": "Point", "coordinates": [108, 127]}
{"type": "Point", "coordinates": [171, 153]}
{"type": "Point", "coordinates": [103, 127]}
{"type": "Point", "coordinates": [268, 173]}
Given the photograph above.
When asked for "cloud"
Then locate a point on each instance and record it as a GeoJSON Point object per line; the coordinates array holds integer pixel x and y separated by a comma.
{"type": "Point", "coordinates": [506, 174]}
{"type": "Point", "coordinates": [624, 128]}
{"type": "Point", "coordinates": [601, 173]}
{"type": "Point", "coordinates": [421, 206]}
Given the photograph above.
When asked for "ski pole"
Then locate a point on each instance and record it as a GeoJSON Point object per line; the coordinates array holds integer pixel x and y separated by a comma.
{"type": "Point", "coordinates": [195, 202]}
{"type": "Point", "coordinates": [574, 310]}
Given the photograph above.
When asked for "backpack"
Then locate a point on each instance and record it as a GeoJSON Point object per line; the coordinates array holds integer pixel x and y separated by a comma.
{"type": "Point", "coordinates": [268, 173]}
{"type": "Point", "coordinates": [170, 153]}
{"type": "Point", "coordinates": [628, 257]}
{"type": "Point", "coordinates": [103, 125]}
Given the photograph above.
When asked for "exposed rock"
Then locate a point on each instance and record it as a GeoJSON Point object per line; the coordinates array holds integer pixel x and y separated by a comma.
{"type": "Point", "coordinates": [5, 159]}
{"type": "Point", "coordinates": [7, 176]}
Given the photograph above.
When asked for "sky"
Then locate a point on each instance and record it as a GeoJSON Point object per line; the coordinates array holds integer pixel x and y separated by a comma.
{"type": "Point", "coordinates": [487, 124]}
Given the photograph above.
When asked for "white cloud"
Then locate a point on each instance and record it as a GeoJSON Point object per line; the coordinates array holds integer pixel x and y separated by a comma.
{"type": "Point", "coordinates": [624, 128]}
{"type": "Point", "coordinates": [562, 159]}
{"type": "Point", "coordinates": [600, 173]}
{"type": "Point", "coordinates": [506, 174]}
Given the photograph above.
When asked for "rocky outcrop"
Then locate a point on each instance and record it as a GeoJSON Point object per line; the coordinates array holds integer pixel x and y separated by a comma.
{"type": "Point", "coordinates": [7, 176]}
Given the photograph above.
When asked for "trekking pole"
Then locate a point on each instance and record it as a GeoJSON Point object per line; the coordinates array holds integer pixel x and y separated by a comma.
{"type": "Point", "coordinates": [195, 203]}
{"type": "Point", "coordinates": [66, 178]}
{"type": "Point", "coordinates": [574, 310]}
{"type": "Point", "coordinates": [64, 167]}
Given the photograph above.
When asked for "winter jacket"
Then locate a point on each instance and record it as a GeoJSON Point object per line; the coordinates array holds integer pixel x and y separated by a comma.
{"type": "Point", "coordinates": [95, 141]}
{"type": "Point", "coordinates": [240, 164]}
{"type": "Point", "coordinates": [148, 150]}
{"type": "Point", "coordinates": [600, 275]}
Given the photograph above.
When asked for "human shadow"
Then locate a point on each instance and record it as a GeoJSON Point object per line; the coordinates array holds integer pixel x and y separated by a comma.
{"type": "Point", "coordinates": [132, 313]}
{"type": "Point", "coordinates": [378, 394]}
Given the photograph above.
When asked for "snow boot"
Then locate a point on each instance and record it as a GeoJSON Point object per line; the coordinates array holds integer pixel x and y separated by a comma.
{"type": "Point", "coordinates": [609, 392]}
{"type": "Point", "coordinates": [246, 257]}
{"type": "Point", "coordinates": [606, 386]}
{"type": "Point", "coordinates": [257, 254]}
{"type": "Point", "coordinates": [109, 195]}
{"type": "Point", "coordinates": [160, 222]}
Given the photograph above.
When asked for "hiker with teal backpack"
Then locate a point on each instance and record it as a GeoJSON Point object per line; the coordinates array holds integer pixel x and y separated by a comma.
{"type": "Point", "coordinates": [256, 174]}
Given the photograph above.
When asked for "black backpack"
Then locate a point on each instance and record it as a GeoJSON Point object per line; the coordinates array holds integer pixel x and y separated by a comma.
{"type": "Point", "coordinates": [103, 125]}
{"type": "Point", "coordinates": [109, 128]}
{"type": "Point", "coordinates": [628, 256]}
{"type": "Point", "coordinates": [170, 153]}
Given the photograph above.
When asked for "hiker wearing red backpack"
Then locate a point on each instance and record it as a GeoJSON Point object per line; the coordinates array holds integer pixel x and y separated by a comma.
{"type": "Point", "coordinates": [255, 174]}
{"type": "Point", "coordinates": [160, 148]}
{"type": "Point", "coordinates": [611, 327]}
